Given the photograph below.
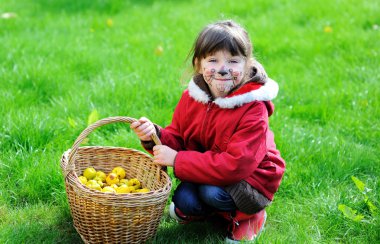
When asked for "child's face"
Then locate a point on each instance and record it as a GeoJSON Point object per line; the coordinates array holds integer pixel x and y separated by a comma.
{"type": "Point", "coordinates": [222, 72]}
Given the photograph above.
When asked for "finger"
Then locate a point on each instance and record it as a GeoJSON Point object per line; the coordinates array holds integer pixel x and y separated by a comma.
{"type": "Point", "coordinates": [135, 124]}
{"type": "Point", "coordinates": [144, 126]}
{"type": "Point", "coordinates": [143, 129]}
{"type": "Point", "coordinates": [155, 157]}
{"type": "Point", "coordinates": [158, 160]}
{"type": "Point", "coordinates": [147, 131]}
{"type": "Point", "coordinates": [155, 161]}
{"type": "Point", "coordinates": [143, 120]}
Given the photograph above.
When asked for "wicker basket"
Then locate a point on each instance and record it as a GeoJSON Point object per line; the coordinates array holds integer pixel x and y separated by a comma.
{"type": "Point", "coordinates": [114, 218]}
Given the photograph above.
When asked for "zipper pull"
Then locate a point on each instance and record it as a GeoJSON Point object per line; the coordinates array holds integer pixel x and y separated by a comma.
{"type": "Point", "coordinates": [236, 223]}
{"type": "Point", "coordinates": [209, 106]}
{"type": "Point", "coordinates": [234, 220]}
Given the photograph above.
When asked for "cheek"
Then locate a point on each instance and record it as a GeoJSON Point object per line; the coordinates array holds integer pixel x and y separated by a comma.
{"type": "Point", "coordinates": [237, 73]}
{"type": "Point", "coordinates": [208, 72]}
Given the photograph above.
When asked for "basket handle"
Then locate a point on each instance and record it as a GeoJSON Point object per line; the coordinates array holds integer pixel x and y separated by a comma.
{"type": "Point", "coordinates": [92, 127]}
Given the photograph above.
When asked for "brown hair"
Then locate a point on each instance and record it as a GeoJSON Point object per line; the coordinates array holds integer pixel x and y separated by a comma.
{"type": "Point", "coordinates": [222, 35]}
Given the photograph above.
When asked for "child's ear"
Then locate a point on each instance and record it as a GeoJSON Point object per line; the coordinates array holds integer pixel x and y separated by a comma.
{"type": "Point", "coordinates": [198, 66]}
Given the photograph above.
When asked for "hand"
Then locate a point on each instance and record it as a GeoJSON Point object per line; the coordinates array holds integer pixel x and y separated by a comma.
{"type": "Point", "coordinates": [164, 155]}
{"type": "Point", "coordinates": [143, 128]}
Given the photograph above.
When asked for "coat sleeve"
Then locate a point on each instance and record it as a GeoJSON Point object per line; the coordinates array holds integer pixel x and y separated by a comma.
{"type": "Point", "coordinates": [244, 152]}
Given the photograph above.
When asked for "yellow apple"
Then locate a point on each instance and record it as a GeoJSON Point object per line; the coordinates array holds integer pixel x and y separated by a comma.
{"type": "Point", "coordinates": [112, 179]}
{"type": "Point", "coordinates": [92, 184]}
{"type": "Point", "coordinates": [114, 186]}
{"type": "Point", "coordinates": [101, 175]}
{"type": "Point", "coordinates": [125, 189]}
{"type": "Point", "coordinates": [123, 182]}
{"type": "Point", "coordinates": [135, 183]}
{"type": "Point", "coordinates": [89, 173]}
{"type": "Point", "coordinates": [82, 179]}
{"type": "Point", "coordinates": [108, 189]}
{"type": "Point", "coordinates": [119, 171]}
{"type": "Point", "coordinates": [99, 180]}
{"type": "Point", "coordinates": [143, 190]}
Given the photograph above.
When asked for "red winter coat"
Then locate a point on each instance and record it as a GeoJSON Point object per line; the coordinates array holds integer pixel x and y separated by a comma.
{"type": "Point", "coordinates": [227, 140]}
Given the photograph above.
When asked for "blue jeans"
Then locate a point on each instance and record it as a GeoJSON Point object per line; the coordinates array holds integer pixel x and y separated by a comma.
{"type": "Point", "coordinates": [197, 200]}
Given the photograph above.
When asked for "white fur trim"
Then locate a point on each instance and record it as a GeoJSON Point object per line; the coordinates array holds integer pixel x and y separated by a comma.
{"type": "Point", "coordinates": [266, 92]}
{"type": "Point", "coordinates": [197, 93]}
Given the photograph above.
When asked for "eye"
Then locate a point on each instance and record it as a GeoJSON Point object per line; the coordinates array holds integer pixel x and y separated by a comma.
{"type": "Point", "coordinates": [234, 61]}
{"type": "Point", "coordinates": [212, 60]}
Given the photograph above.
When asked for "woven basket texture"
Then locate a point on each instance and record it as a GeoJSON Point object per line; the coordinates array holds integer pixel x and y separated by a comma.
{"type": "Point", "coordinates": [114, 218]}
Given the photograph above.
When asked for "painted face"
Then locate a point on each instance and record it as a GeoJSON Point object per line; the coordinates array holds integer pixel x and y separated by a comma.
{"type": "Point", "coordinates": [222, 72]}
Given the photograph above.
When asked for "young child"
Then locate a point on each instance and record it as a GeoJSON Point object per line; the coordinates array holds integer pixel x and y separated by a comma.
{"type": "Point", "coordinates": [219, 142]}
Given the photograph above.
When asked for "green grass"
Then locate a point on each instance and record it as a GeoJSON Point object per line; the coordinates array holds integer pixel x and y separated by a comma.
{"type": "Point", "coordinates": [60, 60]}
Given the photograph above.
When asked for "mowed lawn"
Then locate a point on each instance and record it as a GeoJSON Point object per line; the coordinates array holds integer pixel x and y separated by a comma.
{"type": "Point", "coordinates": [61, 61]}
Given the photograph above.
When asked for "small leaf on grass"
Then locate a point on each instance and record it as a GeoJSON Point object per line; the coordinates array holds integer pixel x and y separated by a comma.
{"type": "Point", "coordinates": [72, 122]}
{"type": "Point", "coordinates": [328, 29]}
{"type": "Point", "coordinates": [359, 184]}
{"type": "Point", "coordinates": [159, 50]}
{"type": "Point", "coordinates": [8, 15]}
{"type": "Point", "coordinates": [372, 208]}
{"type": "Point", "coordinates": [109, 22]}
{"type": "Point", "coordinates": [350, 213]}
{"type": "Point", "coordinates": [93, 117]}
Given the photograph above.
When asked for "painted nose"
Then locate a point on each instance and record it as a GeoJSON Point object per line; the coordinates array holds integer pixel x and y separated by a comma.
{"type": "Point", "coordinates": [222, 72]}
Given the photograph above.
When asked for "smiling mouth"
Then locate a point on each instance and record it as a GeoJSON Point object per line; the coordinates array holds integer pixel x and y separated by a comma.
{"type": "Point", "coordinates": [222, 79]}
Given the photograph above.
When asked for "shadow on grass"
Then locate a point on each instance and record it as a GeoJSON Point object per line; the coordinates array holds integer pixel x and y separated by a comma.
{"type": "Point", "coordinates": [66, 231]}
{"type": "Point", "coordinates": [170, 231]}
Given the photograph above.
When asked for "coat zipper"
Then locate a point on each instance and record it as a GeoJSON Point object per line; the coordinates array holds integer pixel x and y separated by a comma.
{"type": "Point", "coordinates": [203, 134]}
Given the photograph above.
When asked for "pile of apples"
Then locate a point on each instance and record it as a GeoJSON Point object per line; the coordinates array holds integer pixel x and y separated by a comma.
{"type": "Point", "coordinates": [115, 182]}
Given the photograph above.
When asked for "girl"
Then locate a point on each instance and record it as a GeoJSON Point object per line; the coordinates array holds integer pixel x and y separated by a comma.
{"type": "Point", "coordinates": [219, 143]}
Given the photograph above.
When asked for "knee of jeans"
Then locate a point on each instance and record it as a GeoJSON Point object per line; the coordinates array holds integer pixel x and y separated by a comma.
{"type": "Point", "coordinates": [189, 206]}
{"type": "Point", "coordinates": [187, 203]}
{"type": "Point", "coordinates": [209, 194]}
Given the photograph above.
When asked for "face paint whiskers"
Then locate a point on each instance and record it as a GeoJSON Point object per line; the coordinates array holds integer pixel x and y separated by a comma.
{"type": "Point", "coordinates": [209, 75]}
{"type": "Point", "coordinates": [235, 75]}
